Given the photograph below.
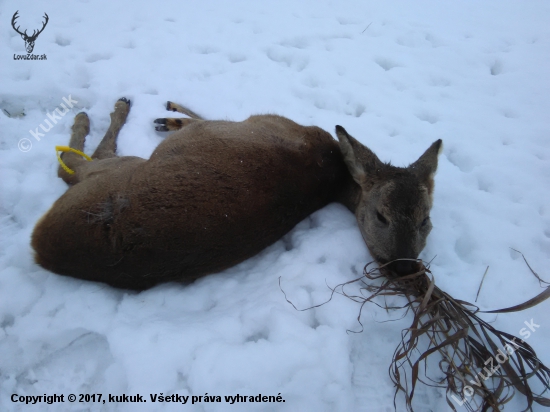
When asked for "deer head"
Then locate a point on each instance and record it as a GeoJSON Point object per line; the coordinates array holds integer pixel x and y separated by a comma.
{"type": "Point", "coordinates": [29, 40]}
{"type": "Point", "coordinates": [393, 210]}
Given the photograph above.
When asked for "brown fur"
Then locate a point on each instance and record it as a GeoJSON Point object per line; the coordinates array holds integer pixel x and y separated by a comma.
{"type": "Point", "coordinates": [211, 195]}
{"type": "Point", "coordinates": [395, 203]}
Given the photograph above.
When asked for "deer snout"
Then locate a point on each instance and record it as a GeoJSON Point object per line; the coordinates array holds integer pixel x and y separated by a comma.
{"type": "Point", "coordinates": [404, 267]}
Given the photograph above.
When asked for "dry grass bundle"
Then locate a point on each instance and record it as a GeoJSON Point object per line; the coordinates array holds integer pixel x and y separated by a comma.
{"type": "Point", "coordinates": [480, 367]}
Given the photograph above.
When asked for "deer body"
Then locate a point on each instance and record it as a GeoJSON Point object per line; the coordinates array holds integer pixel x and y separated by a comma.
{"type": "Point", "coordinates": [211, 195]}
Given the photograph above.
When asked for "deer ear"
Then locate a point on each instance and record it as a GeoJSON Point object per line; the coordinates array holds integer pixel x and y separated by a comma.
{"type": "Point", "coordinates": [359, 159]}
{"type": "Point", "coordinates": [426, 165]}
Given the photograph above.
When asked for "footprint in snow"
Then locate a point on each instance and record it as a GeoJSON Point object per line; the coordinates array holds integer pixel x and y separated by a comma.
{"type": "Point", "coordinates": [428, 117]}
{"type": "Point", "coordinates": [386, 64]}
{"type": "Point", "coordinates": [92, 58]}
{"type": "Point", "coordinates": [291, 59]}
{"type": "Point", "coordinates": [496, 68]}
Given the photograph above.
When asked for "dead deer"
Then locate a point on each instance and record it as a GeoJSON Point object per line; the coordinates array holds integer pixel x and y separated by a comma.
{"type": "Point", "coordinates": [215, 193]}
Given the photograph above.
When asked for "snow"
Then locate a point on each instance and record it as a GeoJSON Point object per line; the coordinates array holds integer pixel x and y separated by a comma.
{"type": "Point", "coordinates": [397, 75]}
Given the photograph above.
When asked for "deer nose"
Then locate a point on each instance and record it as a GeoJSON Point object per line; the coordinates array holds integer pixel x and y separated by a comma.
{"type": "Point", "coordinates": [405, 267]}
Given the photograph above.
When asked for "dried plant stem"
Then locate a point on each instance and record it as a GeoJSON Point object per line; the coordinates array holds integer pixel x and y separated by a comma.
{"type": "Point", "coordinates": [480, 367]}
{"type": "Point", "coordinates": [481, 283]}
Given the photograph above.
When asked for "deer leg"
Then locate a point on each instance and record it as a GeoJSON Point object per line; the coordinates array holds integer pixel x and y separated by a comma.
{"type": "Point", "coordinates": [80, 130]}
{"type": "Point", "coordinates": [174, 107]}
{"type": "Point", "coordinates": [171, 124]}
{"type": "Point", "coordinates": [107, 146]}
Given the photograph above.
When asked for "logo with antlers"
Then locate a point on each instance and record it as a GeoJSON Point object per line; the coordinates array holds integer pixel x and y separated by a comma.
{"type": "Point", "coordinates": [29, 40]}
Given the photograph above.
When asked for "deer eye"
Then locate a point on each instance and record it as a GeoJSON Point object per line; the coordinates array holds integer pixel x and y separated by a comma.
{"type": "Point", "coordinates": [381, 218]}
{"type": "Point", "coordinates": [425, 221]}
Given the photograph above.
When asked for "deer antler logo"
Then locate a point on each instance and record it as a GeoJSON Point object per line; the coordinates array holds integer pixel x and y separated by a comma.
{"type": "Point", "coordinates": [29, 40]}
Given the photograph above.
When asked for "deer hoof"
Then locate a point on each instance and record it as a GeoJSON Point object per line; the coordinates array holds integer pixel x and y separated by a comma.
{"type": "Point", "coordinates": [162, 128]}
{"type": "Point", "coordinates": [125, 100]}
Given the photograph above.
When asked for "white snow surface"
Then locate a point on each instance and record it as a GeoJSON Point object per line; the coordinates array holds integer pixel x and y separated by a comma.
{"type": "Point", "coordinates": [397, 75]}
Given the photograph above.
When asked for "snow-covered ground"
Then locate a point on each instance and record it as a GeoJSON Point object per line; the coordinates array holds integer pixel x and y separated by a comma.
{"type": "Point", "coordinates": [397, 74]}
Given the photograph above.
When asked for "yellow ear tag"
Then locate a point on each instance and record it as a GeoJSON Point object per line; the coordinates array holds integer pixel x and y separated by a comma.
{"type": "Point", "coordinates": [69, 149]}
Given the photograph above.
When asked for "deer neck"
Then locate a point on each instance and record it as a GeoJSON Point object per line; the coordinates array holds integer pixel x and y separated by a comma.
{"type": "Point", "coordinates": [350, 194]}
